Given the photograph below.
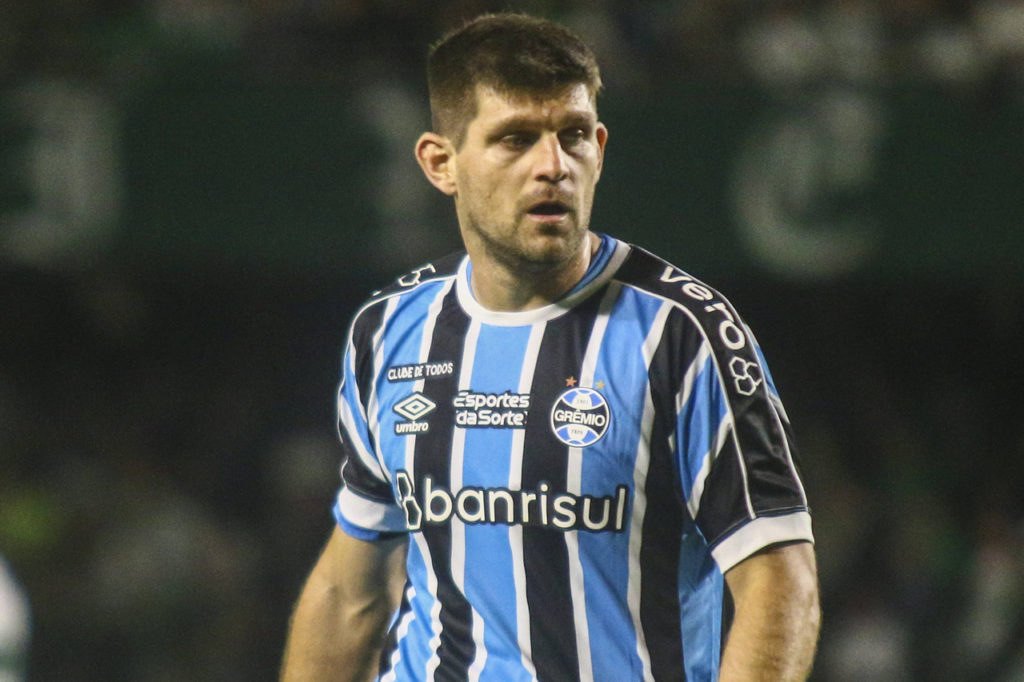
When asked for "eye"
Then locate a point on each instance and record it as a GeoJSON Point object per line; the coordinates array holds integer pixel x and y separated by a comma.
{"type": "Point", "coordinates": [517, 141]}
{"type": "Point", "coordinates": [572, 137]}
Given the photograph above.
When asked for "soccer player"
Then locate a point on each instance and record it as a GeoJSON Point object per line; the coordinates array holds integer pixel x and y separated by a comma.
{"type": "Point", "coordinates": [562, 453]}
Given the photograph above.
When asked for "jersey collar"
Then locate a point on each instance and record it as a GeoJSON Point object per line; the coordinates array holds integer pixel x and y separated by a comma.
{"type": "Point", "coordinates": [606, 262]}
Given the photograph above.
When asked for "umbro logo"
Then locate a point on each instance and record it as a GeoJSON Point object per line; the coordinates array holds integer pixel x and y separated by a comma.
{"type": "Point", "coordinates": [413, 408]}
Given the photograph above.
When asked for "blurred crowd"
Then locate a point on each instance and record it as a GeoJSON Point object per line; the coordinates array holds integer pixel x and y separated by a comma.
{"type": "Point", "coordinates": [954, 41]}
{"type": "Point", "coordinates": [167, 455]}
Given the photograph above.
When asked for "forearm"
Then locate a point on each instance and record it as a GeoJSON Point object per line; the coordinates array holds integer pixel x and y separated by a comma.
{"type": "Point", "coordinates": [340, 623]}
{"type": "Point", "coordinates": [331, 639]}
{"type": "Point", "coordinates": [775, 629]}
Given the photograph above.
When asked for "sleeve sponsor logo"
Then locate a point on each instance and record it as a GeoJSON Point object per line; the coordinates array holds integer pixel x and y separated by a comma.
{"type": "Point", "coordinates": [413, 408]}
{"type": "Point", "coordinates": [436, 505]}
{"type": "Point", "coordinates": [746, 375]}
{"type": "Point", "coordinates": [423, 370]}
{"type": "Point", "coordinates": [728, 330]}
{"type": "Point", "coordinates": [491, 410]}
{"type": "Point", "coordinates": [580, 417]}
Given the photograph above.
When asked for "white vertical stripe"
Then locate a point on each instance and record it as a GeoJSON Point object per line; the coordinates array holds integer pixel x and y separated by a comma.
{"type": "Point", "coordinates": [641, 467]}
{"type": "Point", "coordinates": [574, 483]}
{"type": "Point", "coordinates": [410, 466]}
{"type": "Point", "coordinates": [682, 397]}
{"type": "Point", "coordinates": [348, 422]}
{"type": "Point", "coordinates": [725, 389]}
{"type": "Point", "coordinates": [347, 419]}
{"type": "Point", "coordinates": [515, 482]}
{"type": "Point", "coordinates": [697, 491]}
{"type": "Point", "coordinates": [373, 418]}
{"type": "Point", "coordinates": [691, 376]}
{"type": "Point", "coordinates": [458, 528]}
{"type": "Point", "coordinates": [400, 632]}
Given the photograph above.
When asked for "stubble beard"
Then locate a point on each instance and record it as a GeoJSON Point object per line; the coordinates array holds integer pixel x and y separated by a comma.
{"type": "Point", "coordinates": [517, 256]}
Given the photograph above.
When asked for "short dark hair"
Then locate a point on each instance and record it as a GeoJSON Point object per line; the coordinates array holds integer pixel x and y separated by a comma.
{"type": "Point", "coordinates": [508, 52]}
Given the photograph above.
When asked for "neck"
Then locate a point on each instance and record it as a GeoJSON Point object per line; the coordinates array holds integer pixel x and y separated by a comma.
{"type": "Point", "coordinates": [508, 288]}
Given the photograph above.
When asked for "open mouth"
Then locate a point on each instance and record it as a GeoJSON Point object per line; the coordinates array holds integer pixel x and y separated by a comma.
{"type": "Point", "coordinates": [548, 209]}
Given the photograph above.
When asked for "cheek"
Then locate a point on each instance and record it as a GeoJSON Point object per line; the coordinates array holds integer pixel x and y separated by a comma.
{"type": "Point", "coordinates": [490, 191]}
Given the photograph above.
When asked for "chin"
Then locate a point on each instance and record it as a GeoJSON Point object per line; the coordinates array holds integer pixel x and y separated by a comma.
{"type": "Point", "coordinates": [557, 250]}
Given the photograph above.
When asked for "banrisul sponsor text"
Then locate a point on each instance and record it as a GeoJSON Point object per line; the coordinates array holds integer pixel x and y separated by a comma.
{"type": "Point", "coordinates": [430, 504]}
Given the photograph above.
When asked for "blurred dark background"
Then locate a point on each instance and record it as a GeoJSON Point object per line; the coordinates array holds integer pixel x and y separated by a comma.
{"type": "Point", "coordinates": [195, 194]}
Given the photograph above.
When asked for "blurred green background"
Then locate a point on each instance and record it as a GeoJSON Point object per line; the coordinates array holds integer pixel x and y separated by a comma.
{"type": "Point", "coordinates": [195, 195]}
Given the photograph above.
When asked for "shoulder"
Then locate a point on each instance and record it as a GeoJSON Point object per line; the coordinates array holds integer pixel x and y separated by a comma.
{"type": "Point", "coordinates": [698, 308]}
{"type": "Point", "coordinates": [657, 277]}
{"type": "Point", "coordinates": [438, 270]}
{"type": "Point", "coordinates": [423, 278]}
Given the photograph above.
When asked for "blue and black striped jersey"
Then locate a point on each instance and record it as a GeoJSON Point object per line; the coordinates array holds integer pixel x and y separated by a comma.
{"type": "Point", "coordinates": [575, 479]}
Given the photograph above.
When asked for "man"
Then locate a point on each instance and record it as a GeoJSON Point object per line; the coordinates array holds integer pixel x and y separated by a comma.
{"type": "Point", "coordinates": [557, 446]}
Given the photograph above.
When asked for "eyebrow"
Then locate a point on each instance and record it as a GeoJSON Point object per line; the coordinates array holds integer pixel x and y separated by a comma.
{"type": "Point", "coordinates": [524, 121]}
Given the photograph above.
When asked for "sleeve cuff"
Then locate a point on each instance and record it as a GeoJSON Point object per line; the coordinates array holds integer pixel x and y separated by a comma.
{"type": "Point", "coordinates": [367, 519]}
{"type": "Point", "coordinates": [760, 533]}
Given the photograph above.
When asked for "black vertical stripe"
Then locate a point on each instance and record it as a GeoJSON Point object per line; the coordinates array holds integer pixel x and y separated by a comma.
{"type": "Point", "coordinates": [663, 521]}
{"type": "Point", "coordinates": [355, 474]}
{"type": "Point", "coordinates": [545, 460]}
{"type": "Point", "coordinates": [773, 487]}
{"type": "Point", "coordinates": [721, 512]}
{"type": "Point", "coordinates": [433, 459]}
{"type": "Point", "coordinates": [358, 478]}
{"type": "Point", "coordinates": [366, 325]}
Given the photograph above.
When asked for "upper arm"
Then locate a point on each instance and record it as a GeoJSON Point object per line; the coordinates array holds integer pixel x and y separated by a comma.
{"type": "Point", "coordinates": [363, 572]}
{"type": "Point", "coordinates": [786, 573]}
{"type": "Point", "coordinates": [775, 627]}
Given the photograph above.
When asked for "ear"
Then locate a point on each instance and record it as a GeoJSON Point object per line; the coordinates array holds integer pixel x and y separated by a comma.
{"type": "Point", "coordinates": [436, 156]}
{"type": "Point", "coordinates": [602, 138]}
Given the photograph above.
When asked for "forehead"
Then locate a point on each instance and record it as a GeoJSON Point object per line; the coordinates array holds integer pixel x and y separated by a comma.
{"type": "Point", "coordinates": [495, 108]}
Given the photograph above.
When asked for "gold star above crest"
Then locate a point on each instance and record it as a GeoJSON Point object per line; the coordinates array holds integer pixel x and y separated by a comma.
{"type": "Point", "coordinates": [599, 384]}
{"type": "Point", "coordinates": [571, 381]}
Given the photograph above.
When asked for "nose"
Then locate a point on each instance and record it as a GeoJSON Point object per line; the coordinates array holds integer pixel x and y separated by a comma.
{"type": "Point", "coordinates": [550, 163]}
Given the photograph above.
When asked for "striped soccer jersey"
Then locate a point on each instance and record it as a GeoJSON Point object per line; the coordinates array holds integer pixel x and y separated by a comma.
{"type": "Point", "coordinates": [574, 479]}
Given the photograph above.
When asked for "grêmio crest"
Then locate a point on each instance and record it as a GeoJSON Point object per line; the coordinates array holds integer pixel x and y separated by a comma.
{"type": "Point", "coordinates": [580, 417]}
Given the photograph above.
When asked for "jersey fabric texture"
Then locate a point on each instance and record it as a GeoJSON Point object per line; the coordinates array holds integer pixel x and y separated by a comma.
{"type": "Point", "coordinates": [574, 479]}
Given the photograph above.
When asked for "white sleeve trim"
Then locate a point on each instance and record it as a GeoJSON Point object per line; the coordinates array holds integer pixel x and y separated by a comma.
{"type": "Point", "coordinates": [758, 534]}
{"type": "Point", "coordinates": [370, 514]}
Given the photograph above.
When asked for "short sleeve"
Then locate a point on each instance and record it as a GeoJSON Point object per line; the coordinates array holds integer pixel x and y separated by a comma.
{"type": "Point", "coordinates": [737, 455]}
{"type": "Point", "coordinates": [365, 506]}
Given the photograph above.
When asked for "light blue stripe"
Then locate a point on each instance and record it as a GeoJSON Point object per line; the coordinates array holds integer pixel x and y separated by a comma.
{"type": "Point", "coordinates": [609, 463]}
{"type": "Point", "coordinates": [414, 648]}
{"type": "Point", "coordinates": [699, 421]}
{"type": "Point", "coordinates": [347, 393]}
{"type": "Point", "coordinates": [500, 352]}
{"type": "Point", "coordinates": [401, 346]}
{"type": "Point", "coordinates": [700, 596]}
